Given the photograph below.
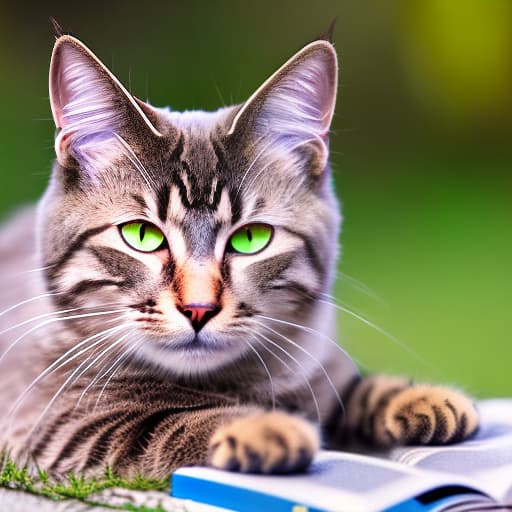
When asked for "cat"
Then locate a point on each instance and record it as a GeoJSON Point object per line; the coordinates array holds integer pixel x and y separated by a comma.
{"type": "Point", "coordinates": [167, 304]}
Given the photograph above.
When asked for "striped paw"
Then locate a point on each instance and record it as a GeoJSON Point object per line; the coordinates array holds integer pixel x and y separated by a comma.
{"type": "Point", "coordinates": [424, 415]}
{"type": "Point", "coordinates": [272, 442]}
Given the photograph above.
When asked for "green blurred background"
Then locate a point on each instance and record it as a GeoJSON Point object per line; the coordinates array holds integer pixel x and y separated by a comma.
{"type": "Point", "coordinates": [421, 148]}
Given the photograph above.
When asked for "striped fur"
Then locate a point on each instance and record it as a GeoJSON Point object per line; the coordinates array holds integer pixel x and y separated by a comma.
{"type": "Point", "coordinates": [386, 411]}
{"type": "Point", "coordinates": [105, 368]}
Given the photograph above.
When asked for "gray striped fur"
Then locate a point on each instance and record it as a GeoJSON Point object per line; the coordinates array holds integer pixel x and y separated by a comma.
{"type": "Point", "coordinates": [142, 397]}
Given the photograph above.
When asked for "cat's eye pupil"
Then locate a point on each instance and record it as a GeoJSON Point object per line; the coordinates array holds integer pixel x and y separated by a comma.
{"type": "Point", "coordinates": [142, 231]}
{"type": "Point", "coordinates": [249, 235]}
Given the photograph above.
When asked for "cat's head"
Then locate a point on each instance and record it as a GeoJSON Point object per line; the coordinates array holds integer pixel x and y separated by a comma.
{"type": "Point", "coordinates": [186, 233]}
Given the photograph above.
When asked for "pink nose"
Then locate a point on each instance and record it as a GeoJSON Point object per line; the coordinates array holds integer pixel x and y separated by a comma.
{"type": "Point", "coordinates": [199, 314]}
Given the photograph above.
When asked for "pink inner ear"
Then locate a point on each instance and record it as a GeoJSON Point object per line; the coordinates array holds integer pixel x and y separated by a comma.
{"type": "Point", "coordinates": [57, 95]}
{"type": "Point", "coordinates": [297, 102]}
{"type": "Point", "coordinates": [83, 106]}
{"type": "Point", "coordinates": [89, 105]}
{"type": "Point", "coordinates": [300, 107]}
{"type": "Point", "coordinates": [56, 101]}
{"type": "Point", "coordinates": [62, 144]}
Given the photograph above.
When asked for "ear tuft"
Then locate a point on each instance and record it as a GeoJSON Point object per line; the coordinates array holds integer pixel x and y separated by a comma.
{"type": "Point", "coordinates": [57, 29]}
{"type": "Point", "coordinates": [293, 109]}
{"type": "Point", "coordinates": [328, 35]}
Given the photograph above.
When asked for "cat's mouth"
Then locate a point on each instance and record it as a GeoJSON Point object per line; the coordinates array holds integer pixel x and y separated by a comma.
{"type": "Point", "coordinates": [195, 343]}
{"type": "Point", "coordinates": [192, 353]}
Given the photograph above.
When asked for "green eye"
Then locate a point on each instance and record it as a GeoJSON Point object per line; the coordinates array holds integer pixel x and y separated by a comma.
{"type": "Point", "coordinates": [251, 239]}
{"type": "Point", "coordinates": [142, 236]}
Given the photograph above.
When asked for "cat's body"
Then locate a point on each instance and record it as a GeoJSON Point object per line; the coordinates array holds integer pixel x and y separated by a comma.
{"type": "Point", "coordinates": [193, 351]}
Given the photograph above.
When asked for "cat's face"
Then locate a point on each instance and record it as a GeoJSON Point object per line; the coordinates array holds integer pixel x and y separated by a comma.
{"type": "Point", "coordinates": [180, 235]}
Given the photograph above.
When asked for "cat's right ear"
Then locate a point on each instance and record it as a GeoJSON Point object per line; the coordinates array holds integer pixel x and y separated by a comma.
{"type": "Point", "coordinates": [96, 115]}
{"type": "Point", "coordinates": [290, 114]}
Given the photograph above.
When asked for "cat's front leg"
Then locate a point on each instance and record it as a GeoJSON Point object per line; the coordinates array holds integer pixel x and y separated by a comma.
{"type": "Point", "coordinates": [242, 439]}
{"type": "Point", "coordinates": [154, 440]}
{"type": "Point", "coordinates": [264, 442]}
{"type": "Point", "coordinates": [386, 411]}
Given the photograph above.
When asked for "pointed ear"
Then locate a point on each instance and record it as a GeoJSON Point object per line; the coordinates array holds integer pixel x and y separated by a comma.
{"type": "Point", "coordinates": [293, 109]}
{"type": "Point", "coordinates": [93, 111]}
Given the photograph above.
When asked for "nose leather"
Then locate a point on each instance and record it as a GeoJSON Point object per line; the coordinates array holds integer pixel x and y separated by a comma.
{"type": "Point", "coordinates": [199, 314]}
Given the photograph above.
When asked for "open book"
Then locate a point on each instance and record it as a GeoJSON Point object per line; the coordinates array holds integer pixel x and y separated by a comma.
{"type": "Point", "coordinates": [472, 476]}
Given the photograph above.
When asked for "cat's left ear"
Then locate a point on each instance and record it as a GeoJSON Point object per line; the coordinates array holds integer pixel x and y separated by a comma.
{"type": "Point", "coordinates": [291, 112]}
{"type": "Point", "coordinates": [96, 115]}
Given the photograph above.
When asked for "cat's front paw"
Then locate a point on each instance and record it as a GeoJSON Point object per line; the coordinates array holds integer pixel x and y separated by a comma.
{"type": "Point", "coordinates": [432, 415]}
{"type": "Point", "coordinates": [271, 442]}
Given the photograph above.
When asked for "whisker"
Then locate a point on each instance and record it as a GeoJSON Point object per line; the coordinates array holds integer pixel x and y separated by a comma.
{"type": "Point", "coordinates": [360, 286]}
{"type": "Point", "coordinates": [15, 275]}
{"type": "Point", "coordinates": [27, 301]}
{"type": "Point", "coordinates": [53, 313]}
{"type": "Point", "coordinates": [319, 333]}
{"type": "Point", "coordinates": [379, 330]}
{"type": "Point", "coordinates": [298, 185]}
{"type": "Point", "coordinates": [97, 378]}
{"type": "Point", "coordinates": [38, 269]}
{"type": "Point", "coordinates": [117, 365]}
{"type": "Point", "coordinates": [267, 372]}
{"type": "Point", "coordinates": [302, 349]}
{"type": "Point", "coordinates": [71, 379]}
{"type": "Point", "coordinates": [136, 162]}
{"type": "Point", "coordinates": [258, 174]}
{"type": "Point", "coordinates": [256, 158]}
{"type": "Point", "coordinates": [296, 361]}
{"type": "Point", "coordinates": [38, 317]}
{"type": "Point", "coordinates": [57, 364]}
{"type": "Point", "coordinates": [94, 352]}
{"type": "Point", "coordinates": [52, 320]}
{"type": "Point", "coordinates": [93, 381]}
{"type": "Point", "coordinates": [102, 353]}
{"type": "Point", "coordinates": [219, 93]}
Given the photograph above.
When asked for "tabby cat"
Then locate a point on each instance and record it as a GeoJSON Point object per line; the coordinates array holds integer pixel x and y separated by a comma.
{"type": "Point", "coordinates": [167, 302]}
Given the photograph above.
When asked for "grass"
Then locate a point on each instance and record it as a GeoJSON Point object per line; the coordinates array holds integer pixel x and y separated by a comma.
{"type": "Point", "coordinates": [13, 476]}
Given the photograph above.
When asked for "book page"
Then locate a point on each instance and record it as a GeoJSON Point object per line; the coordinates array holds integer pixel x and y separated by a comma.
{"type": "Point", "coordinates": [486, 459]}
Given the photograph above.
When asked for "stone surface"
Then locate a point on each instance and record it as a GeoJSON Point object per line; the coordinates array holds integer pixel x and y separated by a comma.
{"type": "Point", "coordinates": [18, 501]}
{"type": "Point", "coordinates": [152, 499]}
